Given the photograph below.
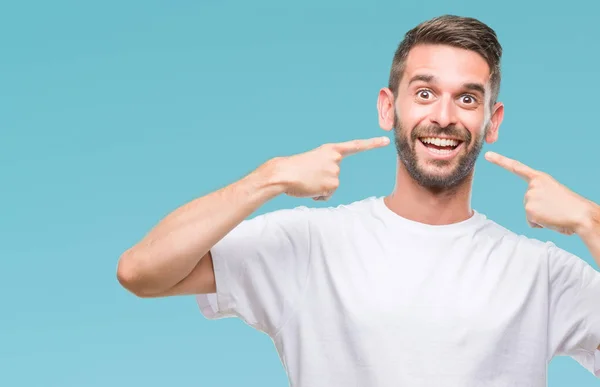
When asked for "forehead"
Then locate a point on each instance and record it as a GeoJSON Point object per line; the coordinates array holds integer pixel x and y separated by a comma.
{"type": "Point", "coordinates": [450, 65]}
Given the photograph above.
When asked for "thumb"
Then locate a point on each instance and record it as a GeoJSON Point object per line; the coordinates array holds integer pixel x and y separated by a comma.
{"type": "Point", "coordinates": [324, 197]}
{"type": "Point", "coordinates": [533, 224]}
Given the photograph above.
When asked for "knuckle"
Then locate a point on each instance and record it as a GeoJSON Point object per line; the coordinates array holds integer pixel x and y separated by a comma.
{"type": "Point", "coordinates": [529, 208]}
{"type": "Point", "coordinates": [542, 177]}
{"type": "Point", "coordinates": [538, 182]}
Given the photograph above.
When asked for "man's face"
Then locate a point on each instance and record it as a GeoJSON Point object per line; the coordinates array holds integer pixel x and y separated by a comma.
{"type": "Point", "coordinates": [442, 114]}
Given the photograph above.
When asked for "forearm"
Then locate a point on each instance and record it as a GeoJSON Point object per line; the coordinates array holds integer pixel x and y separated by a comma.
{"type": "Point", "coordinates": [171, 250]}
{"type": "Point", "coordinates": [589, 232]}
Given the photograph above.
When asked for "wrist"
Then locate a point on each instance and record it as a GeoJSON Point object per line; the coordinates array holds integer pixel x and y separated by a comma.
{"type": "Point", "coordinates": [271, 177]}
{"type": "Point", "coordinates": [590, 221]}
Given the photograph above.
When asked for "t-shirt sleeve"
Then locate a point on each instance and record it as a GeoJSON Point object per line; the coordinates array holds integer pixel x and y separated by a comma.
{"type": "Point", "coordinates": [261, 269]}
{"type": "Point", "coordinates": [574, 308]}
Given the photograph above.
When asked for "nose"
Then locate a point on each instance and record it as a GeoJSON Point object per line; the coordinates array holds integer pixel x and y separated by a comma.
{"type": "Point", "coordinates": [444, 113]}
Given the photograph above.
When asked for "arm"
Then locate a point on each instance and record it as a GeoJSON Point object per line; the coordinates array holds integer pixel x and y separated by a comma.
{"type": "Point", "coordinates": [174, 257]}
{"type": "Point", "coordinates": [589, 231]}
{"type": "Point", "coordinates": [552, 205]}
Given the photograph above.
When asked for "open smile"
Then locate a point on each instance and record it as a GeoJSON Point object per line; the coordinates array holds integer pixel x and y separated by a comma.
{"type": "Point", "coordinates": [441, 148]}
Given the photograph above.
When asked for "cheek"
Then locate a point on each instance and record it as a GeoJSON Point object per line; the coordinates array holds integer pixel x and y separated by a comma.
{"type": "Point", "coordinates": [474, 124]}
{"type": "Point", "coordinates": [410, 116]}
{"type": "Point", "coordinates": [416, 112]}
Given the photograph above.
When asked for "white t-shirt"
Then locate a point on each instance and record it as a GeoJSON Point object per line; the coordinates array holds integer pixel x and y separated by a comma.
{"type": "Point", "coordinates": [357, 296]}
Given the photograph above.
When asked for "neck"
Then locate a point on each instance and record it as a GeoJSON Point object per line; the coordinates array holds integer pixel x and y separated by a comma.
{"type": "Point", "coordinates": [436, 207]}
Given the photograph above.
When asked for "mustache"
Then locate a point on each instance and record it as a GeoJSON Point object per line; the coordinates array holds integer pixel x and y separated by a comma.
{"type": "Point", "coordinates": [436, 130]}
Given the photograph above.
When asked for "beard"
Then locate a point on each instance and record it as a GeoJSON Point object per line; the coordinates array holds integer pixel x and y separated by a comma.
{"type": "Point", "coordinates": [450, 173]}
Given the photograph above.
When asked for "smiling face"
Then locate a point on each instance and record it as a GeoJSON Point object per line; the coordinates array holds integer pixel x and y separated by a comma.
{"type": "Point", "coordinates": [442, 114]}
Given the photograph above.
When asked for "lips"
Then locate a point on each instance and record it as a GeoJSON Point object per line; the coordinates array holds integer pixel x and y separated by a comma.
{"type": "Point", "coordinates": [441, 147]}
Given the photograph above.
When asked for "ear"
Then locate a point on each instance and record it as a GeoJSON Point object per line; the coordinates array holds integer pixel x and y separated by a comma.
{"type": "Point", "coordinates": [495, 121]}
{"type": "Point", "coordinates": [386, 109]}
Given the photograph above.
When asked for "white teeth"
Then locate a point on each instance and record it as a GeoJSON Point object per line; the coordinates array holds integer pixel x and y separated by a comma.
{"type": "Point", "coordinates": [439, 141]}
{"type": "Point", "coordinates": [440, 151]}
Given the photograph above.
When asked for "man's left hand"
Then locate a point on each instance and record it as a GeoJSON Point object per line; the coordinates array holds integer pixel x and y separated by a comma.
{"type": "Point", "coordinates": [548, 204]}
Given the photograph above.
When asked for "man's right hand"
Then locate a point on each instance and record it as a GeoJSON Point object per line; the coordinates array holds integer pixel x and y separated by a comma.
{"type": "Point", "coordinates": [315, 173]}
{"type": "Point", "coordinates": [174, 257]}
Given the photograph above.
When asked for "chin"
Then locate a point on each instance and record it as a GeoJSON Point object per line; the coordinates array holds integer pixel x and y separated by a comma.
{"type": "Point", "coordinates": [440, 177]}
{"type": "Point", "coordinates": [438, 172]}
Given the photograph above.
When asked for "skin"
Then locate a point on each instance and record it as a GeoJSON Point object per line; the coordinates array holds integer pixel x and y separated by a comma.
{"type": "Point", "coordinates": [435, 94]}
{"type": "Point", "coordinates": [550, 204]}
{"type": "Point", "coordinates": [437, 91]}
{"type": "Point", "coordinates": [441, 102]}
{"type": "Point", "coordinates": [174, 257]}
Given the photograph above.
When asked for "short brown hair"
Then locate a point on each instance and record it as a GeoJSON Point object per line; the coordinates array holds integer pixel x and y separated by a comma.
{"type": "Point", "coordinates": [457, 31]}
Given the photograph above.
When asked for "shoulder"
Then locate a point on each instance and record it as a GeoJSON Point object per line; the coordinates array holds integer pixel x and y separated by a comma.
{"type": "Point", "coordinates": [549, 252]}
{"type": "Point", "coordinates": [519, 243]}
{"type": "Point", "coordinates": [301, 223]}
{"type": "Point", "coordinates": [563, 267]}
{"type": "Point", "coordinates": [357, 209]}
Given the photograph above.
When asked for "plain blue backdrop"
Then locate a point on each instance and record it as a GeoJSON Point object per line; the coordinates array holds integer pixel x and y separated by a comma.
{"type": "Point", "coordinates": [114, 113]}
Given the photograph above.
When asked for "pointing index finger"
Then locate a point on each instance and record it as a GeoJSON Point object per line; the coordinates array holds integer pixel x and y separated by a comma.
{"type": "Point", "coordinates": [355, 146]}
{"type": "Point", "coordinates": [511, 165]}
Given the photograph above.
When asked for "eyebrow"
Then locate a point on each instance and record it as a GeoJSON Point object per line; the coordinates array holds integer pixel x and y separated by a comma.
{"type": "Point", "coordinates": [423, 78]}
{"type": "Point", "coordinates": [475, 87]}
{"type": "Point", "coordinates": [428, 78]}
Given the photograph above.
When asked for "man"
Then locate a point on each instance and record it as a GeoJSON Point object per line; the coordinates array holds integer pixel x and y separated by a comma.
{"type": "Point", "coordinates": [412, 289]}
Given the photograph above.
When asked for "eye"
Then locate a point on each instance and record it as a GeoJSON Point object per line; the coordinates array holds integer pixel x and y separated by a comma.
{"type": "Point", "coordinates": [424, 94]}
{"type": "Point", "coordinates": [468, 99]}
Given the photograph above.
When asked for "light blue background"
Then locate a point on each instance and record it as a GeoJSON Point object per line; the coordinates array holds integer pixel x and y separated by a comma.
{"type": "Point", "coordinates": [114, 113]}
